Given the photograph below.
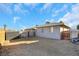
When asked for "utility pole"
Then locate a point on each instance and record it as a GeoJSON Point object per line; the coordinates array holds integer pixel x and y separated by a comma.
{"type": "Point", "coordinates": [5, 30]}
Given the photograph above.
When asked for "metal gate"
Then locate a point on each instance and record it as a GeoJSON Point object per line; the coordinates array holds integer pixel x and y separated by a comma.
{"type": "Point", "coordinates": [65, 35]}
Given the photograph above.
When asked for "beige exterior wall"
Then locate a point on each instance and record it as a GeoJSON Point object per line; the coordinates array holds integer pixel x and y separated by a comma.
{"type": "Point", "coordinates": [63, 29]}
{"type": "Point", "coordinates": [2, 36]}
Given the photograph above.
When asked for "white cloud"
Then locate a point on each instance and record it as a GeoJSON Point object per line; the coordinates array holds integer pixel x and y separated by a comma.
{"type": "Point", "coordinates": [63, 8]}
{"type": "Point", "coordinates": [57, 12]}
{"type": "Point", "coordinates": [6, 8]}
{"type": "Point", "coordinates": [72, 18]}
{"type": "Point", "coordinates": [18, 9]}
{"type": "Point", "coordinates": [31, 4]}
{"type": "Point", "coordinates": [15, 19]}
{"type": "Point", "coordinates": [23, 27]}
{"type": "Point", "coordinates": [50, 20]}
{"type": "Point", "coordinates": [47, 5]}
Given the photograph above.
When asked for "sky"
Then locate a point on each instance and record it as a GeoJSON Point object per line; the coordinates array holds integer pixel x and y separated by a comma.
{"type": "Point", "coordinates": [25, 15]}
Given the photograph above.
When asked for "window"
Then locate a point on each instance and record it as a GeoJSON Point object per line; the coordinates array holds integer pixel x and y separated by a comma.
{"type": "Point", "coordinates": [50, 29]}
{"type": "Point", "coordinates": [42, 30]}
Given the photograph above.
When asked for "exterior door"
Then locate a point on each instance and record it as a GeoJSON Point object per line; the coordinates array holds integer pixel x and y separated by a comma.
{"type": "Point", "coordinates": [65, 35]}
{"type": "Point", "coordinates": [28, 34]}
{"type": "Point", "coordinates": [34, 34]}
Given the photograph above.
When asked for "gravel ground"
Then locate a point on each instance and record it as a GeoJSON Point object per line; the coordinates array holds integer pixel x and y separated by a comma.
{"type": "Point", "coordinates": [45, 47]}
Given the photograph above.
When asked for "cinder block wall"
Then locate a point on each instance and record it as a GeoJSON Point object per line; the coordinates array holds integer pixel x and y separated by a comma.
{"type": "Point", "coordinates": [2, 36]}
{"type": "Point", "coordinates": [11, 34]}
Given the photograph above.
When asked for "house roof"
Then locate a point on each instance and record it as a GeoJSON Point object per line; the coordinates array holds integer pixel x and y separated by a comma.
{"type": "Point", "coordinates": [28, 29]}
{"type": "Point", "coordinates": [47, 25]}
{"type": "Point", "coordinates": [53, 24]}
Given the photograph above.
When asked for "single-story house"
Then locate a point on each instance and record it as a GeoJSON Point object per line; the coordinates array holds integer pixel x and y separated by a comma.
{"type": "Point", "coordinates": [48, 30]}
{"type": "Point", "coordinates": [53, 31]}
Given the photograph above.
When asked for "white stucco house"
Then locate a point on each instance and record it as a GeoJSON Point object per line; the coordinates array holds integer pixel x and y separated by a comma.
{"type": "Point", "coordinates": [55, 30]}
{"type": "Point", "coordinates": [52, 30]}
{"type": "Point", "coordinates": [48, 30]}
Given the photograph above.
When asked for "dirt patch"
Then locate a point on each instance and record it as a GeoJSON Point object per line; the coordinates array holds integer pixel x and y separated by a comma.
{"type": "Point", "coordinates": [45, 47]}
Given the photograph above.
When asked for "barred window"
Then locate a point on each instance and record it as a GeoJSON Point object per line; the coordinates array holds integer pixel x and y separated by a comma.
{"type": "Point", "coordinates": [42, 30]}
{"type": "Point", "coordinates": [50, 29]}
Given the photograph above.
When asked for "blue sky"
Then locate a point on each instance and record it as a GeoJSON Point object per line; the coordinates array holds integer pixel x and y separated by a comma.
{"type": "Point", "coordinates": [26, 15]}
